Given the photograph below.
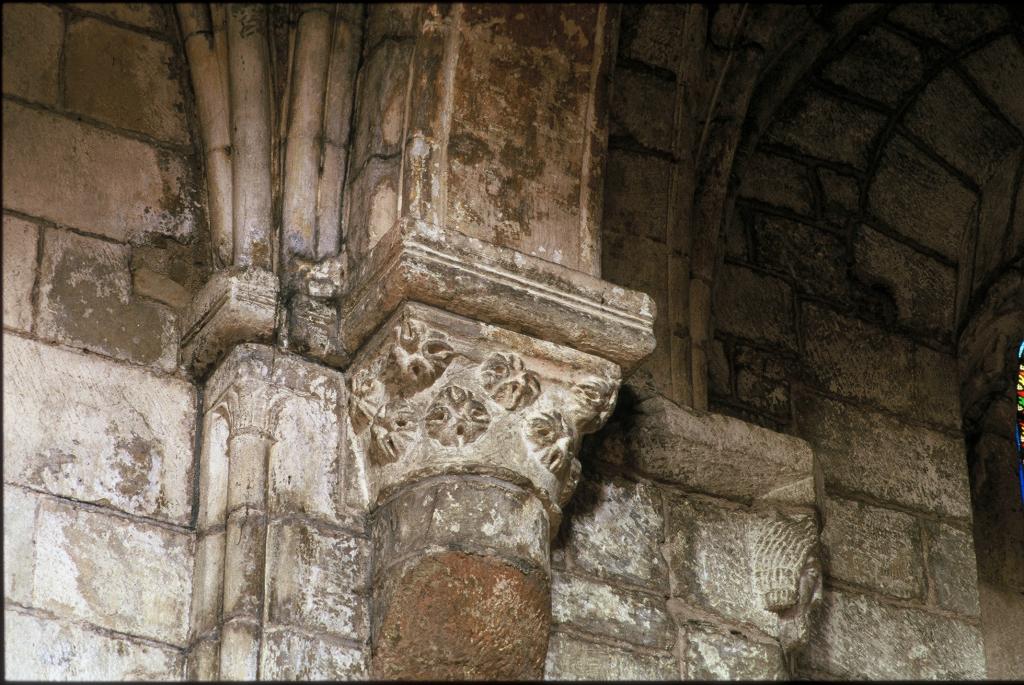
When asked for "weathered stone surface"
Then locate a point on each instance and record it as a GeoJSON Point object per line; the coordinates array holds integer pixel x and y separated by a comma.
{"type": "Point", "coordinates": [762, 381]}
{"type": "Point", "coordinates": [636, 204]}
{"type": "Point", "coordinates": [607, 610]}
{"type": "Point", "coordinates": [130, 577]}
{"type": "Point", "coordinates": [754, 306]}
{"type": "Point", "coordinates": [384, 80]}
{"type": "Point", "coordinates": [874, 547]}
{"type": "Point", "coordinates": [848, 357]}
{"type": "Point", "coordinates": [651, 125]}
{"type": "Point", "coordinates": [86, 300]}
{"type": "Point", "coordinates": [32, 36]}
{"type": "Point", "coordinates": [615, 531]}
{"type": "Point", "coordinates": [880, 65]}
{"type": "Point", "coordinates": [93, 430]}
{"type": "Point", "coordinates": [45, 649]}
{"type": "Point", "coordinates": [777, 181]}
{"type": "Point", "coordinates": [952, 570]}
{"type": "Point", "coordinates": [824, 126]}
{"type": "Point", "coordinates": [840, 193]}
{"type": "Point", "coordinates": [855, 636]}
{"type": "Point", "coordinates": [949, 117]}
{"type": "Point", "coordinates": [814, 258]}
{"type": "Point", "coordinates": [712, 655]}
{"type": "Point", "coordinates": [995, 67]}
{"type": "Point", "coordinates": [716, 555]}
{"type": "Point", "coordinates": [319, 580]}
{"type": "Point", "coordinates": [143, 15]}
{"type": "Point", "coordinates": [653, 38]}
{"type": "Point", "coordinates": [391, 20]}
{"type": "Point", "coordinates": [203, 661]}
{"type": "Point", "coordinates": [920, 199]}
{"type": "Point", "coordinates": [159, 287]}
{"type": "Point", "coordinates": [207, 584]}
{"type": "Point", "coordinates": [888, 460]}
{"type": "Point", "coordinates": [1002, 624]}
{"type": "Point", "coordinates": [124, 79]}
{"type": "Point", "coordinates": [570, 658]}
{"type": "Point", "coordinates": [20, 248]}
{"type": "Point", "coordinates": [19, 548]}
{"type": "Point", "coordinates": [953, 25]}
{"type": "Point", "coordinates": [98, 181]}
{"type": "Point", "coordinates": [922, 288]}
{"type": "Point", "coordinates": [701, 451]}
{"type": "Point", "coordinates": [294, 655]}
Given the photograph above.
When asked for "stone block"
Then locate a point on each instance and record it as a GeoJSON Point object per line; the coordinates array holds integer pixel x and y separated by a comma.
{"type": "Point", "coordinates": [827, 127]}
{"type": "Point", "coordinates": [917, 197]}
{"type": "Point", "coordinates": [873, 547]}
{"type": "Point", "coordinates": [952, 25]}
{"type": "Point", "coordinates": [31, 51]}
{"type": "Point", "coordinates": [86, 300]}
{"type": "Point", "coordinates": [604, 609]}
{"type": "Point", "coordinates": [292, 655]}
{"type": "Point", "coordinates": [1002, 623]}
{"type": "Point", "coordinates": [570, 658]}
{"type": "Point", "coordinates": [777, 181]}
{"type": "Point", "coordinates": [848, 357]}
{"type": "Point", "coordinates": [993, 67]}
{"type": "Point", "coordinates": [716, 551]}
{"type": "Point", "coordinates": [207, 584]}
{"type": "Point", "coordinates": [762, 381]}
{"type": "Point", "coordinates": [949, 118]}
{"type": "Point", "coordinates": [393, 20]}
{"type": "Point", "coordinates": [373, 201]}
{"type": "Point", "coordinates": [78, 175]}
{"type": "Point", "coordinates": [654, 39]}
{"type": "Point", "coordinates": [19, 543]}
{"type": "Point", "coordinates": [20, 252]}
{"type": "Point", "coordinates": [89, 429]}
{"type": "Point", "coordinates": [615, 531]}
{"type": "Point", "coordinates": [143, 15]}
{"type": "Point", "coordinates": [840, 193]}
{"type": "Point", "coordinates": [130, 577]}
{"type": "Point", "coordinates": [814, 258]}
{"type": "Point", "coordinates": [643, 108]}
{"type": "Point", "coordinates": [712, 454]}
{"type": "Point", "coordinates": [712, 655]}
{"type": "Point", "coordinates": [636, 197]}
{"type": "Point", "coordinates": [856, 636]}
{"type": "Point", "coordinates": [384, 82]}
{"type": "Point", "coordinates": [125, 79]}
{"type": "Point", "coordinates": [952, 571]}
{"type": "Point", "coordinates": [45, 649]}
{"type": "Point", "coordinates": [869, 453]}
{"type": "Point", "coordinates": [923, 288]}
{"type": "Point", "coordinates": [318, 580]}
{"type": "Point", "coordinates": [754, 306]}
{"type": "Point", "coordinates": [880, 65]}
{"type": "Point", "coordinates": [161, 288]}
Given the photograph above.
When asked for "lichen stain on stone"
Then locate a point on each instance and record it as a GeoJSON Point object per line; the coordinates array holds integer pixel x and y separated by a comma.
{"type": "Point", "coordinates": [458, 616]}
{"type": "Point", "coordinates": [468, 149]}
{"type": "Point", "coordinates": [138, 469]}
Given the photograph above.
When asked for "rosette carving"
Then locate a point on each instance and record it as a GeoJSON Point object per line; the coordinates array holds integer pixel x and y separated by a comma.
{"type": "Point", "coordinates": [508, 382]}
{"type": "Point", "coordinates": [456, 417]}
{"type": "Point", "coordinates": [595, 400]}
{"type": "Point", "coordinates": [419, 355]}
{"type": "Point", "coordinates": [393, 431]}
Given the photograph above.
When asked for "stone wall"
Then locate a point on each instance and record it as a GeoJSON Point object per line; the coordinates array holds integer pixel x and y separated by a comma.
{"type": "Point", "coordinates": [101, 245]}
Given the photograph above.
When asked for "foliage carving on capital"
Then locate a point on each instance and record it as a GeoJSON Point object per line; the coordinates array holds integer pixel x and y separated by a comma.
{"type": "Point", "coordinates": [508, 381]}
{"type": "Point", "coordinates": [419, 355]}
{"type": "Point", "coordinates": [456, 417]}
{"type": "Point", "coordinates": [787, 573]}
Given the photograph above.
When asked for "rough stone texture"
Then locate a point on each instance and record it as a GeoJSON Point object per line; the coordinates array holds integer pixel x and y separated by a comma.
{"type": "Point", "coordinates": [130, 577]}
{"type": "Point", "coordinates": [873, 547]}
{"type": "Point", "coordinates": [615, 529]}
{"type": "Point", "coordinates": [651, 125]}
{"type": "Point", "coordinates": [45, 649]}
{"type": "Point", "coordinates": [952, 568]}
{"type": "Point", "coordinates": [855, 636]}
{"type": "Point", "coordinates": [995, 67]}
{"type": "Point", "coordinates": [848, 357]}
{"type": "Point", "coordinates": [754, 306]}
{"type": "Point", "coordinates": [570, 658]}
{"type": "Point", "coordinates": [143, 15]}
{"type": "Point", "coordinates": [761, 381]}
{"type": "Point", "coordinates": [814, 258]}
{"type": "Point", "coordinates": [19, 547]}
{"type": "Point", "coordinates": [319, 580]}
{"type": "Point", "coordinates": [606, 610]}
{"type": "Point", "coordinates": [32, 36]}
{"type": "Point", "coordinates": [778, 181]}
{"type": "Point", "coordinates": [93, 430]}
{"type": "Point", "coordinates": [94, 180]}
{"type": "Point", "coordinates": [828, 128]}
{"type": "Point", "coordinates": [880, 65]}
{"type": "Point", "coordinates": [712, 655]}
{"type": "Point", "coordinates": [20, 248]}
{"type": "Point", "coordinates": [637, 207]}
{"type": "Point", "coordinates": [889, 460]}
{"type": "Point", "coordinates": [917, 197]}
{"type": "Point", "coordinates": [951, 24]}
{"type": "Point", "coordinates": [86, 300]}
{"type": "Point", "coordinates": [841, 193]}
{"type": "Point", "coordinates": [1002, 623]}
{"type": "Point", "coordinates": [111, 70]}
{"type": "Point", "coordinates": [921, 287]}
{"type": "Point", "coordinates": [294, 655]}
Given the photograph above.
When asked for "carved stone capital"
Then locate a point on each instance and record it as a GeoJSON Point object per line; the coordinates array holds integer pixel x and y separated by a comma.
{"type": "Point", "coordinates": [234, 306]}
{"type": "Point", "coordinates": [433, 393]}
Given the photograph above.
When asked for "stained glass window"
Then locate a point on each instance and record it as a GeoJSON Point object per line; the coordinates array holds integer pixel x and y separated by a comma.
{"type": "Point", "coordinates": [1020, 417]}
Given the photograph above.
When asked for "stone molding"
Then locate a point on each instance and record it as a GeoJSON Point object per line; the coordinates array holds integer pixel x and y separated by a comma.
{"type": "Point", "coordinates": [433, 393]}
